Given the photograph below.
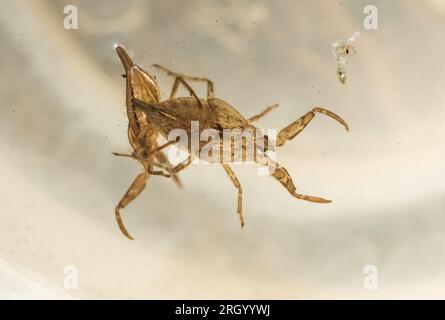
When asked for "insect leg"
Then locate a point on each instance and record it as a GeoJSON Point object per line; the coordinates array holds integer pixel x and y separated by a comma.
{"type": "Point", "coordinates": [173, 171]}
{"type": "Point", "coordinates": [163, 160]}
{"type": "Point", "coordinates": [135, 189]}
{"type": "Point", "coordinates": [127, 155]}
{"type": "Point", "coordinates": [158, 172]}
{"type": "Point", "coordinates": [181, 80]}
{"type": "Point", "coordinates": [262, 113]}
{"type": "Point", "coordinates": [296, 127]}
{"type": "Point", "coordinates": [179, 167]}
{"type": "Point", "coordinates": [165, 145]}
{"type": "Point", "coordinates": [182, 165]}
{"type": "Point", "coordinates": [237, 185]}
{"type": "Point", "coordinates": [165, 165]}
{"type": "Point", "coordinates": [210, 87]}
{"type": "Point", "coordinates": [280, 173]}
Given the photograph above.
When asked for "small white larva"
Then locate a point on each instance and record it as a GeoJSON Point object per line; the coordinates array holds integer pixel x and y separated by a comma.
{"type": "Point", "coordinates": [341, 49]}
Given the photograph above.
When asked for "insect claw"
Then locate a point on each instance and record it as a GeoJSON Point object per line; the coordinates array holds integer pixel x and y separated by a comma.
{"type": "Point", "coordinates": [241, 219]}
{"type": "Point", "coordinates": [310, 198]}
{"type": "Point", "coordinates": [333, 116]}
{"type": "Point", "coordinates": [121, 225]}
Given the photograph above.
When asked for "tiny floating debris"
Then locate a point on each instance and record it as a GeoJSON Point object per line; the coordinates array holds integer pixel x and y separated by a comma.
{"type": "Point", "coordinates": [341, 49]}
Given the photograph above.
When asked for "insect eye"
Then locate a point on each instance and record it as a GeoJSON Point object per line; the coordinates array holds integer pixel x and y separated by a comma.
{"type": "Point", "coordinates": [347, 50]}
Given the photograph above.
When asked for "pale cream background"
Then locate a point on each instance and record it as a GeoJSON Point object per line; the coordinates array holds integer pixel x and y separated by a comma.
{"type": "Point", "coordinates": [62, 113]}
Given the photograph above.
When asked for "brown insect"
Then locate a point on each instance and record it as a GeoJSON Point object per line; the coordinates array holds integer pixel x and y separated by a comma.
{"type": "Point", "coordinates": [142, 134]}
{"type": "Point", "coordinates": [216, 114]}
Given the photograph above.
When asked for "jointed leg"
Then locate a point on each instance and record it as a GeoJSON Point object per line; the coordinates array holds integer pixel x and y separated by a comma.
{"type": "Point", "coordinates": [140, 154]}
{"type": "Point", "coordinates": [296, 127]}
{"type": "Point", "coordinates": [135, 189]}
{"type": "Point", "coordinates": [179, 80]}
{"type": "Point", "coordinates": [163, 160]}
{"type": "Point", "coordinates": [262, 113]}
{"type": "Point", "coordinates": [157, 172]}
{"type": "Point", "coordinates": [280, 173]}
{"type": "Point", "coordinates": [127, 155]}
{"type": "Point", "coordinates": [285, 179]}
{"type": "Point", "coordinates": [210, 88]}
{"type": "Point", "coordinates": [165, 145]}
{"type": "Point", "coordinates": [181, 166]}
{"type": "Point", "coordinates": [173, 171]}
{"type": "Point", "coordinates": [236, 183]}
{"type": "Point", "coordinates": [150, 163]}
